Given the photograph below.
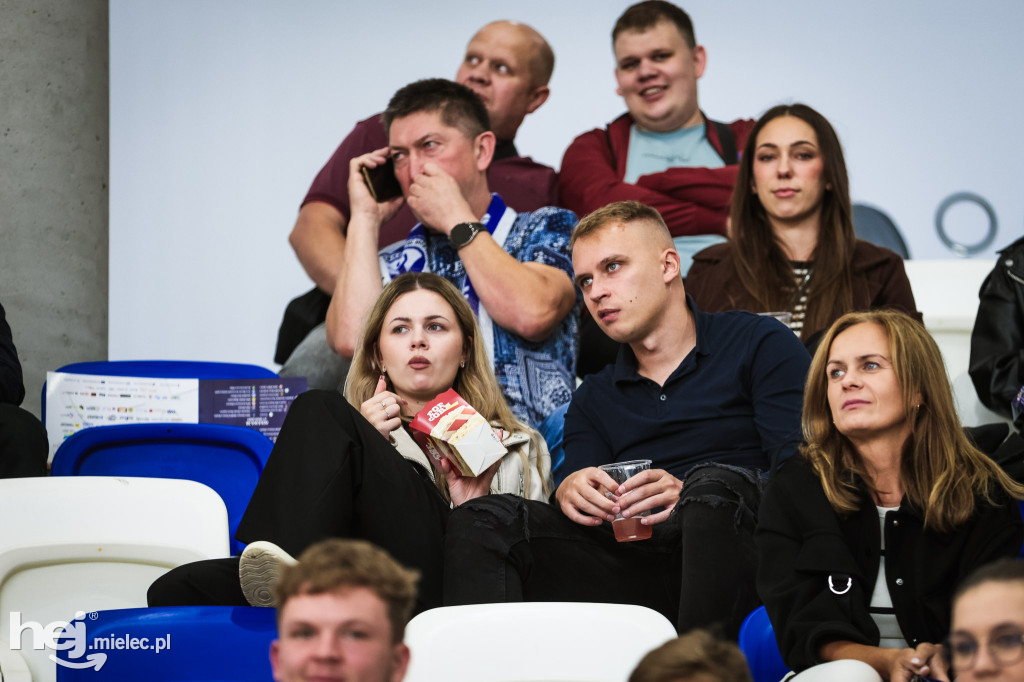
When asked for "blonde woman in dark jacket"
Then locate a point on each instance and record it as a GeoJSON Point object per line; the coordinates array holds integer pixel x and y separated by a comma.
{"type": "Point", "coordinates": [863, 536]}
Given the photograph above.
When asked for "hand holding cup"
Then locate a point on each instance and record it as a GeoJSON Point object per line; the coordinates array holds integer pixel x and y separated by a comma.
{"type": "Point", "coordinates": [631, 528]}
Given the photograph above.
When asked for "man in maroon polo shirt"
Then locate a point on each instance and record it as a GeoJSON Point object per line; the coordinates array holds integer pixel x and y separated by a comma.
{"type": "Point", "coordinates": [509, 65]}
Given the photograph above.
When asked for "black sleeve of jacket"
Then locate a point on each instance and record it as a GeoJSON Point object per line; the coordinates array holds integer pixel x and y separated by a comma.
{"type": "Point", "coordinates": [799, 545]}
{"type": "Point", "coordinates": [12, 387]}
{"type": "Point", "coordinates": [997, 344]}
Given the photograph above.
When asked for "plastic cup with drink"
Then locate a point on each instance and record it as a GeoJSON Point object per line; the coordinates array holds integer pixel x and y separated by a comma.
{"type": "Point", "coordinates": [628, 529]}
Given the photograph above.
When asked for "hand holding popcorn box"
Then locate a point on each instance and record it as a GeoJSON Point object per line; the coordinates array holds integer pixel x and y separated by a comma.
{"type": "Point", "coordinates": [449, 427]}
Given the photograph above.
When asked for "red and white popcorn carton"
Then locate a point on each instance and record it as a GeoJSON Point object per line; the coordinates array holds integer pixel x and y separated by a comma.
{"type": "Point", "coordinates": [449, 427]}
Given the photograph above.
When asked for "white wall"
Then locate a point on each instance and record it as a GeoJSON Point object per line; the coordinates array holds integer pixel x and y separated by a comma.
{"type": "Point", "coordinates": [222, 111]}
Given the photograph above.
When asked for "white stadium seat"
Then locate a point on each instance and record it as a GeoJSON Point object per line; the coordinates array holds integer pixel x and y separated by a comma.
{"type": "Point", "coordinates": [946, 292]}
{"type": "Point", "coordinates": [91, 543]}
{"type": "Point", "coordinates": [533, 642]}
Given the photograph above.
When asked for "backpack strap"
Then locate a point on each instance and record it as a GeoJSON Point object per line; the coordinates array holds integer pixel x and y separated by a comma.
{"type": "Point", "coordinates": [728, 141]}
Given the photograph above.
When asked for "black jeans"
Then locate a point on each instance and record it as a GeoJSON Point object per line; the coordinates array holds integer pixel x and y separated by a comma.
{"type": "Point", "coordinates": [331, 474]}
{"type": "Point", "coordinates": [697, 569]}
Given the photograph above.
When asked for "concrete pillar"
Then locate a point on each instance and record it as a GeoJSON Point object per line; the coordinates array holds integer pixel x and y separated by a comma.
{"type": "Point", "coordinates": [54, 114]}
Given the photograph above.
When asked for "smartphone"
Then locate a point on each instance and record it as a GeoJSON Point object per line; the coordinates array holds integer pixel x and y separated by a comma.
{"type": "Point", "coordinates": [381, 181]}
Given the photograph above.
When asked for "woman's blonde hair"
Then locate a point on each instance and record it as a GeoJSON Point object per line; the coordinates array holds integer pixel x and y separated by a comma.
{"type": "Point", "coordinates": [475, 381]}
{"type": "Point", "coordinates": [942, 473]}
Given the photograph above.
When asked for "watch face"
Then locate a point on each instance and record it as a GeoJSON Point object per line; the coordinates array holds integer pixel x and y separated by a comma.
{"type": "Point", "coordinates": [463, 233]}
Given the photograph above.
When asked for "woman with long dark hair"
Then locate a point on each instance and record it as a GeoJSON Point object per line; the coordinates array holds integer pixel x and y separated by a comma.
{"type": "Point", "coordinates": [792, 247]}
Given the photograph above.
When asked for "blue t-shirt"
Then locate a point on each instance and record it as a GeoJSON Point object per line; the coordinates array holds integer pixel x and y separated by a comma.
{"type": "Point", "coordinates": [535, 377]}
{"type": "Point", "coordinates": [656, 152]}
{"type": "Point", "coordinates": [735, 399]}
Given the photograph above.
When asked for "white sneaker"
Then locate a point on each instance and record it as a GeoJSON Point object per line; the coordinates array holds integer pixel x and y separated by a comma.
{"type": "Point", "coordinates": [259, 569]}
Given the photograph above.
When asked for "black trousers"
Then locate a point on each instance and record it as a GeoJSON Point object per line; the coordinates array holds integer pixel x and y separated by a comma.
{"type": "Point", "coordinates": [23, 443]}
{"type": "Point", "coordinates": [331, 474]}
{"type": "Point", "coordinates": [697, 569]}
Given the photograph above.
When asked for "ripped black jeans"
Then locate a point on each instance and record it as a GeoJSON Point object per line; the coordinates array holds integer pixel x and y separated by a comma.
{"type": "Point", "coordinates": [697, 569]}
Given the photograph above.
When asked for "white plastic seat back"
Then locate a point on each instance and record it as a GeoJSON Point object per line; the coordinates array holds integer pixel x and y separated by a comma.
{"type": "Point", "coordinates": [13, 667]}
{"type": "Point", "coordinates": [533, 642]}
{"type": "Point", "coordinates": [92, 543]}
{"type": "Point", "coordinates": [946, 292]}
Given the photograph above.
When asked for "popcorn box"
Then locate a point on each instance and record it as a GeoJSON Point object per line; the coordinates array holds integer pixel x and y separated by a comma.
{"type": "Point", "coordinates": [449, 427]}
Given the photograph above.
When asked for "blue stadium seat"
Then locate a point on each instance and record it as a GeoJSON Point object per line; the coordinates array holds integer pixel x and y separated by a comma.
{"type": "Point", "coordinates": [171, 369]}
{"type": "Point", "coordinates": [205, 643]}
{"type": "Point", "coordinates": [757, 640]}
{"type": "Point", "coordinates": [874, 225]}
{"type": "Point", "coordinates": [1020, 505]}
{"type": "Point", "coordinates": [229, 459]}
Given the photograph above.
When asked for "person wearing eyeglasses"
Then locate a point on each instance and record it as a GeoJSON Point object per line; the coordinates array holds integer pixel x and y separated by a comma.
{"type": "Point", "coordinates": [986, 641]}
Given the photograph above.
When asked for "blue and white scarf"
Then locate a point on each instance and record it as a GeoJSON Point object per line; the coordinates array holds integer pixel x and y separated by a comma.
{"type": "Point", "coordinates": [411, 255]}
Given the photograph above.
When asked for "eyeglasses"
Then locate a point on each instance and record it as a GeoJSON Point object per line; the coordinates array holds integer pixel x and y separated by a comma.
{"type": "Point", "coordinates": [1005, 646]}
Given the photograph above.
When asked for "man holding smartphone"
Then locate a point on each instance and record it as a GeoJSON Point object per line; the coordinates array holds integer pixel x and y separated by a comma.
{"type": "Point", "coordinates": [508, 65]}
{"type": "Point", "coordinates": [513, 268]}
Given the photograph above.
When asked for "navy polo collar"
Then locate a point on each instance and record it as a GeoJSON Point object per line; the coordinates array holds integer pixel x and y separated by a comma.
{"type": "Point", "coordinates": [626, 365]}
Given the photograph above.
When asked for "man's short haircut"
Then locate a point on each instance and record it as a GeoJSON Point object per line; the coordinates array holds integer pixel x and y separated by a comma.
{"type": "Point", "coordinates": [1001, 571]}
{"type": "Point", "coordinates": [619, 212]}
{"type": "Point", "coordinates": [336, 565]}
{"type": "Point", "coordinates": [695, 653]}
{"type": "Point", "coordinates": [459, 106]}
{"type": "Point", "coordinates": [645, 15]}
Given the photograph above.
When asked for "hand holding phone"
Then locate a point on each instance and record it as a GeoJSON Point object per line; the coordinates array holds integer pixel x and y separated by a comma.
{"type": "Point", "coordinates": [381, 181]}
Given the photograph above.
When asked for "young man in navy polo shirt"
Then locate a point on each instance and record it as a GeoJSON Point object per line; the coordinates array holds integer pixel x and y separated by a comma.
{"type": "Point", "coordinates": [712, 399]}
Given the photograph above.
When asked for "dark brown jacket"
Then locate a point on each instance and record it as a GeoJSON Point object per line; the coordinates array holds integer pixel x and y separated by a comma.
{"type": "Point", "coordinates": [879, 281]}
